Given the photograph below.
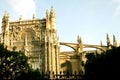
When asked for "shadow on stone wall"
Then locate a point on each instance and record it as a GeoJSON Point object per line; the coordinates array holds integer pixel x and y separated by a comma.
{"type": "Point", "coordinates": [67, 65]}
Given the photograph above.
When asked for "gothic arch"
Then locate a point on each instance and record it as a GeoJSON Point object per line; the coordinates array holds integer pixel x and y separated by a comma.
{"type": "Point", "coordinates": [74, 46]}
{"type": "Point", "coordinates": [97, 47]}
{"type": "Point", "coordinates": [68, 45]}
{"type": "Point", "coordinates": [29, 33]}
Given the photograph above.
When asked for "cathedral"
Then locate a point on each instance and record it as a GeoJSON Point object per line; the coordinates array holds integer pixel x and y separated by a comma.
{"type": "Point", "coordinates": [38, 39]}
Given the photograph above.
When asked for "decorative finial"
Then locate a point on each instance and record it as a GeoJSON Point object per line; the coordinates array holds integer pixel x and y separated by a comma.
{"type": "Point", "coordinates": [108, 41]}
{"type": "Point", "coordinates": [20, 17]}
{"type": "Point", "coordinates": [52, 9]}
{"type": "Point", "coordinates": [5, 13]}
{"type": "Point", "coordinates": [47, 20]}
{"type": "Point", "coordinates": [79, 39]}
{"type": "Point", "coordinates": [114, 41]}
{"type": "Point", "coordinates": [5, 17]}
{"type": "Point", "coordinates": [33, 16]}
{"type": "Point", "coordinates": [101, 43]}
{"type": "Point", "coordinates": [47, 13]}
{"type": "Point", "coordinates": [52, 12]}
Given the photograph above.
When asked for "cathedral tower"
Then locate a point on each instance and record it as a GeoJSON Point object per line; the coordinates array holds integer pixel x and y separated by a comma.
{"type": "Point", "coordinates": [51, 44]}
{"type": "Point", "coordinates": [5, 29]}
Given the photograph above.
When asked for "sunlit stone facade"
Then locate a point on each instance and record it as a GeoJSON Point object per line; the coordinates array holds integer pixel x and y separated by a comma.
{"type": "Point", "coordinates": [36, 38]}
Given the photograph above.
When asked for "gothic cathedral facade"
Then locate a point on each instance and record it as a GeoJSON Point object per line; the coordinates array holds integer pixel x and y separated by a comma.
{"type": "Point", "coordinates": [37, 38]}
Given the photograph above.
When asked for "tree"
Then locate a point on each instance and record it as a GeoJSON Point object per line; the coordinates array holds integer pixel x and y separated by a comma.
{"type": "Point", "coordinates": [106, 66]}
{"type": "Point", "coordinates": [12, 63]}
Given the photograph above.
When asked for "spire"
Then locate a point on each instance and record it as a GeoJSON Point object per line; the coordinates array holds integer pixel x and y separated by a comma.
{"type": "Point", "coordinates": [52, 18]}
{"type": "Point", "coordinates": [5, 13]}
{"type": "Point", "coordinates": [47, 14]}
{"type": "Point", "coordinates": [20, 17]}
{"type": "Point", "coordinates": [52, 13]}
{"type": "Point", "coordinates": [5, 17]}
{"type": "Point", "coordinates": [114, 41]}
{"type": "Point", "coordinates": [80, 45]}
{"type": "Point", "coordinates": [33, 16]}
{"type": "Point", "coordinates": [79, 39]}
{"type": "Point", "coordinates": [5, 22]}
{"type": "Point", "coordinates": [101, 43]}
{"type": "Point", "coordinates": [108, 41]}
{"type": "Point", "coordinates": [47, 20]}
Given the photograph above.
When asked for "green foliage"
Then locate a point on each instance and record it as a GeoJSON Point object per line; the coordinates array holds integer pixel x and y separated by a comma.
{"type": "Point", "coordinates": [14, 66]}
{"type": "Point", "coordinates": [105, 66]}
{"type": "Point", "coordinates": [12, 63]}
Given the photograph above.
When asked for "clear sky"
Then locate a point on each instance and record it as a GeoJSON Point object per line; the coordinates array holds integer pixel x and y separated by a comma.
{"type": "Point", "coordinates": [91, 19]}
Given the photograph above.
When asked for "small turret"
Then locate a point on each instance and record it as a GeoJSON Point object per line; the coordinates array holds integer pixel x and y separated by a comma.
{"type": "Point", "coordinates": [79, 40]}
{"type": "Point", "coordinates": [80, 45]}
{"type": "Point", "coordinates": [33, 17]}
{"type": "Point", "coordinates": [52, 18]}
{"type": "Point", "coordinates": [47, 15]}
{"type": "Point", "coordinates": [5, 19]}
{"type": "Point", "coordinates": [47, 20]}
{"type": "Point", "coordinates": [52, 13]}
{"type": "Point", "coordinates": [5, 28]}
{"type": "Point", "coordinates": [6, 16]}
{"type": "Point", "coordinates": [108, 42]}
{"type": "Point", "coordinates": [101, 43]}
{"type": "Point", "coordinates": [20, 17]}
{"type": "Point", "coordinates": [115, 41]}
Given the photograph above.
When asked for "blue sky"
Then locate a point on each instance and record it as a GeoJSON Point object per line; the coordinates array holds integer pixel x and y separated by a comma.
{"type": "Point", "coordinates": [90, 19]}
